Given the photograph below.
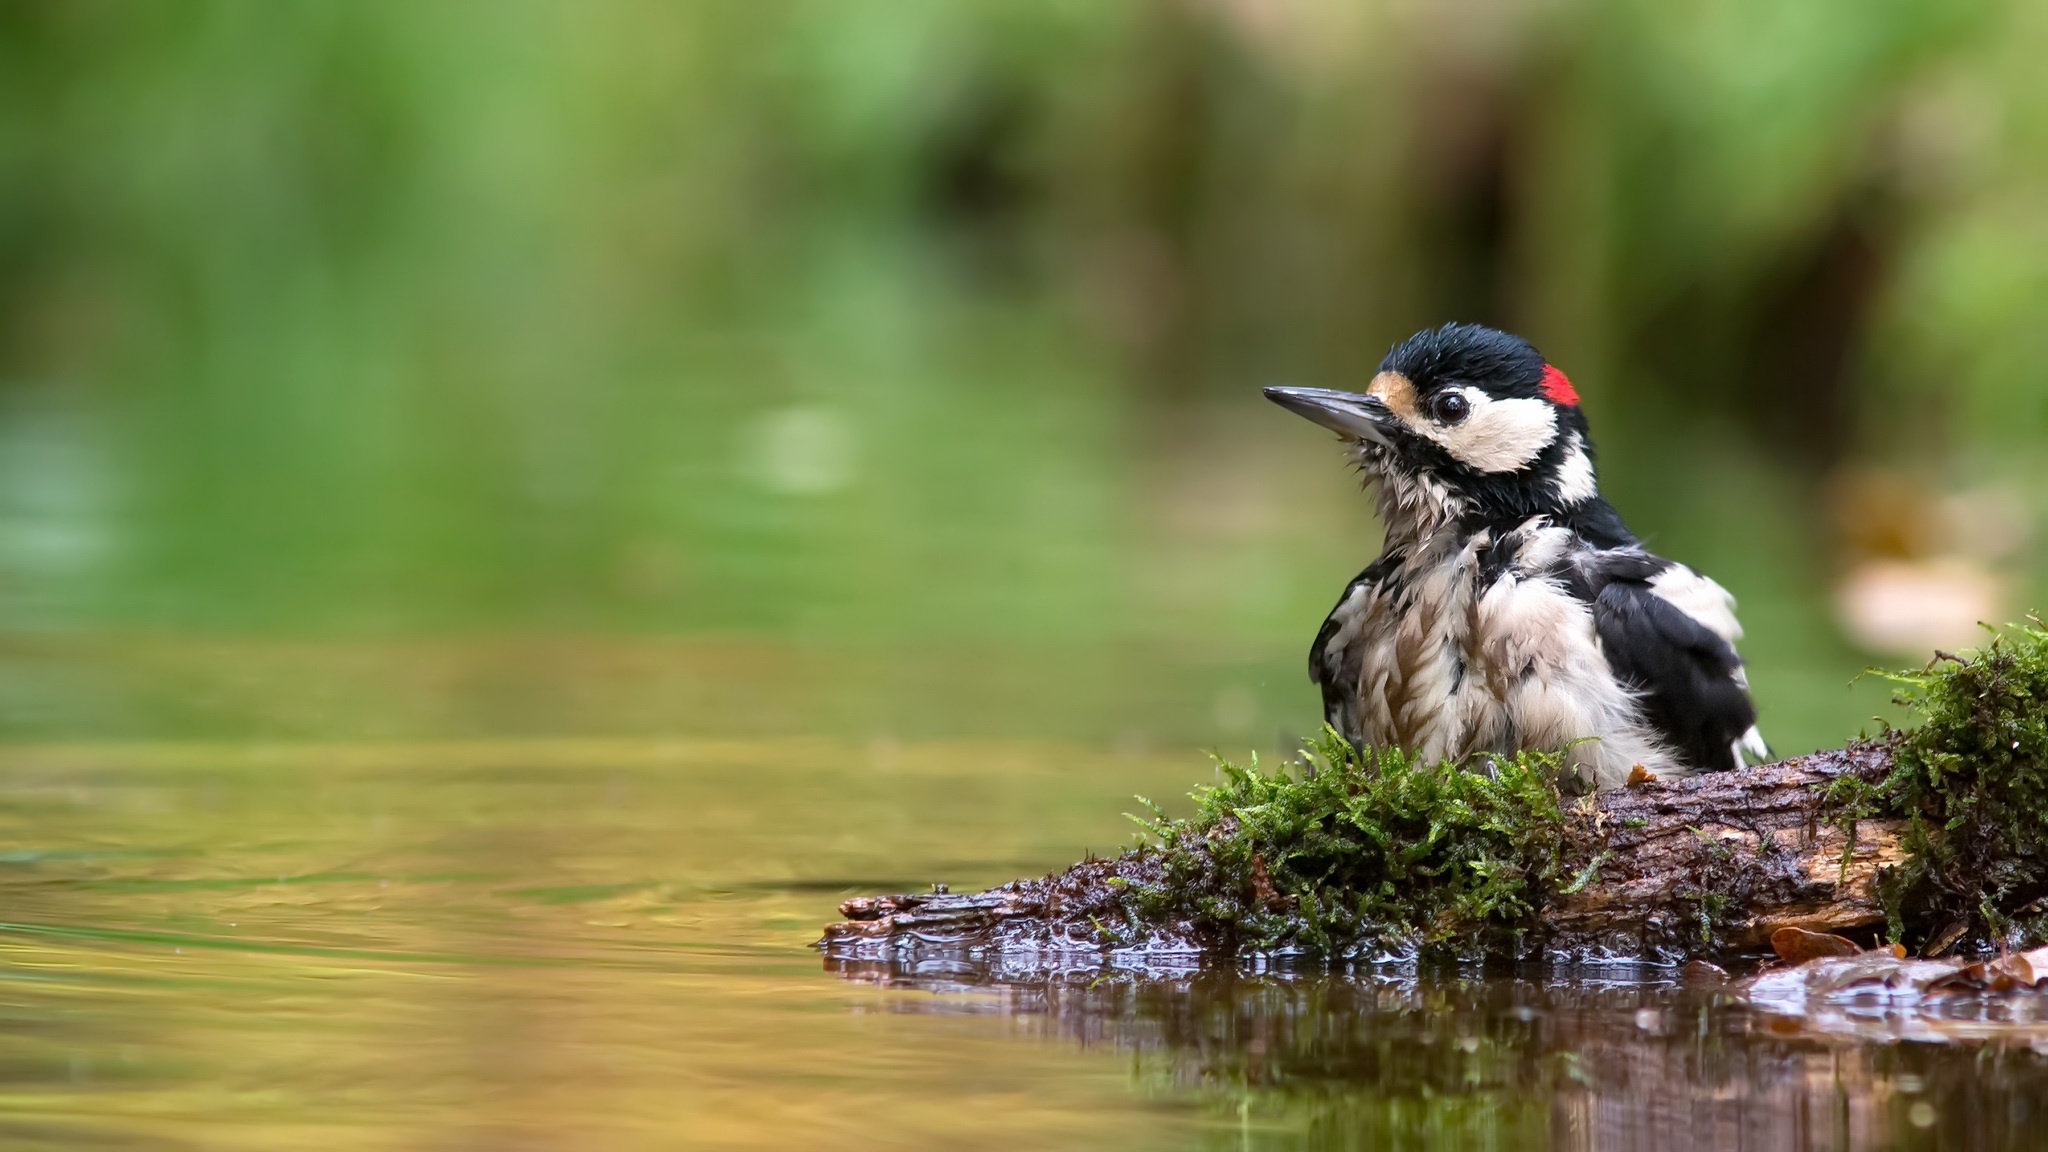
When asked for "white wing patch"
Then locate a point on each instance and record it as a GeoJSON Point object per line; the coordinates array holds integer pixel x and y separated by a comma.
{"type": "Point", "coordinates": [1350, 614]}
{"type": "Point", "coordinates": [1700, 598]}
{"type": "Point", "coordinates": [1498, 435]}
{"type": "Point", "coordinates": [1350, 617]}
{"type": "Point", "coordinates": [1711, 605]}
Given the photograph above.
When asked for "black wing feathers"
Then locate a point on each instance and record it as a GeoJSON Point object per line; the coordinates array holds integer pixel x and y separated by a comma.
{"type": "Point", "coordinates": [1685, 670]}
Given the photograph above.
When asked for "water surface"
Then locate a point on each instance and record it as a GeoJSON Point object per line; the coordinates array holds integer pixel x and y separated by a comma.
{"type": "Point", "coordinates": [592, 943]}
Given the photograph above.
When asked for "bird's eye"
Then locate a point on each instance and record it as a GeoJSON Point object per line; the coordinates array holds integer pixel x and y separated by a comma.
{"type": "Point", "coordinates": [1449, 407]}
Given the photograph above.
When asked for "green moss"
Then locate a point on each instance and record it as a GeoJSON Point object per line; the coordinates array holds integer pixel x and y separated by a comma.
{"type": "Point", "coordinates": [1348, 850]}
{"type": "Point", "coordinates": [1972, 779]}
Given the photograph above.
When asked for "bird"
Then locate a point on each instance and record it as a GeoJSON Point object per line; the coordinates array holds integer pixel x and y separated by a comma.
{"type": "Point", "coordinates": [1510, 608]}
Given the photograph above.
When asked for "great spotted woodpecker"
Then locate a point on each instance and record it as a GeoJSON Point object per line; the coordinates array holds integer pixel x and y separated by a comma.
{"type": "Point", "coordinates": [1511, 608]}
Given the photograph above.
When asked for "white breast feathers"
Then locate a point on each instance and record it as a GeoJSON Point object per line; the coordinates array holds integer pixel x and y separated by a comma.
{"type": "Point", "coordinates": [1460, 655]}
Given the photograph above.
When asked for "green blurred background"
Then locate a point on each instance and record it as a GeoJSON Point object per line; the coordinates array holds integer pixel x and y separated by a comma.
{"type": "Point", "coordinates": [889, 369]}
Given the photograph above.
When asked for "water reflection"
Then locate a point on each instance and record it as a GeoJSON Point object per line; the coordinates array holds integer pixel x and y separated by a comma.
{"type": "Point", "coordinates": [1624, 1058]}
{"type": "Point", "coordinates": [603, 943]}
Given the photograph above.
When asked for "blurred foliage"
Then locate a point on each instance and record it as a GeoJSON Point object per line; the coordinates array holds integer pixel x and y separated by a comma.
{"type": "Point", "coordinates": [935, 324]}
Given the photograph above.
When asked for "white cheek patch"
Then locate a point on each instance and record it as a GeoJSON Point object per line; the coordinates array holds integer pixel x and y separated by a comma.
{"type": "Point", "coordinates": [1498, 435]}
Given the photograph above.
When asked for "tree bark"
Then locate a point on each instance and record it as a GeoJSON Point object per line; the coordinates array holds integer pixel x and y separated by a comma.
{"type": "Point", "coordinates": [1741, 854]}
{"type": "Point", "coordinates": [1705, 866]}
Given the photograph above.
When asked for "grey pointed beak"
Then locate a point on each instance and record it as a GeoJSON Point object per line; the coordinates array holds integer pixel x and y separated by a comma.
{"type": "Point", "coordinates": [1352, 414]}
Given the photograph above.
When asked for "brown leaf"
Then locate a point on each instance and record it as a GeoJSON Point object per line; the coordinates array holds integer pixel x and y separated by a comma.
{"type": "Point", "coordinates": [1797, 945]}
{"type": "Point", "coordinates": [1961, 981]}
{"type": "Point", "coordinates": [1865, 969]}
{"type": "Point", "coordinates": [1263, 892]}
{"type": "Point", "coordinates": [1999, 975]}
{"type": "Point", "coordinates": [1703, 972]}
{"type": "Point", "coordinates": [2023, 969]}
{"type": "Point", "coordinates": [1639, 776]}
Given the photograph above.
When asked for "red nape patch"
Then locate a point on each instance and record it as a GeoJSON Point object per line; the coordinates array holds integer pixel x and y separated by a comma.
{"type": "Point", "coordinates": [1557, 388]}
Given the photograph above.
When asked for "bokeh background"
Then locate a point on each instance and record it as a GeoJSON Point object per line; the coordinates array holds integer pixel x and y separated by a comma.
{"type": "Point", "coordinates": [889, 370]}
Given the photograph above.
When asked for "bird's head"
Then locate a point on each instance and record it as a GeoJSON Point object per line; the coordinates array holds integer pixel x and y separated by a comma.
{"type": "Point", "coordinates": [1466, 416]}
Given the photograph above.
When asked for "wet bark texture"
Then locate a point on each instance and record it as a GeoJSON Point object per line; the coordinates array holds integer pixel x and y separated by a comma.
{"type": "Point", "coordinates": [1702, 867]}
{"type": "Point", "coordinates": [1717, 863]}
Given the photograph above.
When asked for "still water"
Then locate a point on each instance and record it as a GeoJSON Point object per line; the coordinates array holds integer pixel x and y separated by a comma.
{"type": "Point", "coordinates": [605, 943]}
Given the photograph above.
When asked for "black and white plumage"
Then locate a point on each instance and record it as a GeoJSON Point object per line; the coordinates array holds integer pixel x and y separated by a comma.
{"type": "Point", "coordinates": [1511, 608]}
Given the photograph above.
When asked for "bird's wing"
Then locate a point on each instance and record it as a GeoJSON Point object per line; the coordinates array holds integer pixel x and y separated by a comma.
{"type": "Point", "coordinates": [1669, 633]}
{"type": "Point", "coordinates": [1333, 660]}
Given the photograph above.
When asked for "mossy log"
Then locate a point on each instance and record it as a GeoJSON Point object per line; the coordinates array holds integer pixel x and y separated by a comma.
{"type": "Point", "coordinates": [1935, 835]}
{"type": "Point", "coordinates": [1708, 866]}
